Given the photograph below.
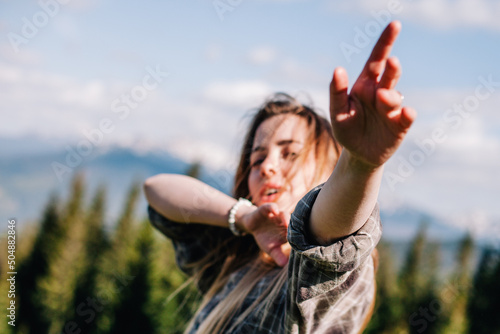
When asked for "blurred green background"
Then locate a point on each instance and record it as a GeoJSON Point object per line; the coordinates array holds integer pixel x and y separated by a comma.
{"type": "Point", "coordinates": [74, 275]}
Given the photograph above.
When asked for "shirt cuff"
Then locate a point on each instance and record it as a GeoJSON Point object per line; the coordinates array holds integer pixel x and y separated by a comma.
{"type": "Point", "coordinates": [342, 255]}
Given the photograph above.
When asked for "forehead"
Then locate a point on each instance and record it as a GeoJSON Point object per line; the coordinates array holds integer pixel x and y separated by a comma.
{"type": "Point", "coordinates": [279, 128]}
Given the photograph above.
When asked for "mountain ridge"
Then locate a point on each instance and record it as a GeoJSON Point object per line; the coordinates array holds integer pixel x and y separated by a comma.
{"type": "Point", "coordinates": [28, 179]}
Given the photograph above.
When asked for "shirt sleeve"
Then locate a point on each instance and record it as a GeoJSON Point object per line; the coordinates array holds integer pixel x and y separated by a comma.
{"type": "Point", "coordinates": [192, 242]}
{"type": "Point", "coordinates": [331, 288]}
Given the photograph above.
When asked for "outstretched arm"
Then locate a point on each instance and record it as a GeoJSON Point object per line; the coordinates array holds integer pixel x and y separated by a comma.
{"type": "Point", "coordinates": [370, 123]}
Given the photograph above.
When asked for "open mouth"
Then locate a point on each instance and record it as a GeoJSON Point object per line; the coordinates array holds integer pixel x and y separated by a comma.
{"type": "Point", "coordinates": [270, 194]}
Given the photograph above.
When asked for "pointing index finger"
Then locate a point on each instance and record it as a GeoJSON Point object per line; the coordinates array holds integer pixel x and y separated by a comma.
{"type": "Point", "coordinates": [376, 62]}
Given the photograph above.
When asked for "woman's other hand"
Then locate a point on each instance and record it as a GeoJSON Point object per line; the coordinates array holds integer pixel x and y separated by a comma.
{"type": "Point", "coordinates": [268, 225]}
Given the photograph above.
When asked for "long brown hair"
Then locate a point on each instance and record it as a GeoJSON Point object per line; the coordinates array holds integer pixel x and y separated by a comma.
{"type": "Point", "coordinates": [321, 138]}
{"type": "Point", "coordinates": [243, 251]}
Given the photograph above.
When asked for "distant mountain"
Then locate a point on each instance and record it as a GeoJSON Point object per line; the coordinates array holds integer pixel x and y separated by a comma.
{"type": "Point", "coordinates": [28, 178]}
{"type": "Point", "coordinates": [404, 222]}
{"type": "Point", "coordinates": [31, 169]}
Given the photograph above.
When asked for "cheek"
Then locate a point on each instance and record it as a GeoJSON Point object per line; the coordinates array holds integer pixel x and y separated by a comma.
{"type": "Point", "coordinates": [253, 182]}
{"type": "Point", "coordinates": [305, 177]}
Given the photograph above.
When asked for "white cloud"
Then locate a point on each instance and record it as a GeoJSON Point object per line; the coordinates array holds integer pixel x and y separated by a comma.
{"type": "Point", "coordinates": [237, 94]}
{"type": "Point", "coordinates": [317, 99]}
{"type": "Point", "coordinates": [443, 14]}
{"type": "Point", "coordinates": [472, 138]}
{"type": "Point", "coordinates": [47, 104]}
{"type": "Point", "coordinates": [26, 57]}
{"type": "Point", "coordinates": [203, 127]}
{"type": "Point", "coordinates": [209, 153]}
{"type": "Point", "coordinates": [262, 55]}
{"type": "Point", "coordinates": [457, 176]}
{"type": "Point", "coordinates": [292, 72]}
{"type": "Point", "coordinates": [462, 172]}
{"type": "Point", "coordinates": [480, 224]}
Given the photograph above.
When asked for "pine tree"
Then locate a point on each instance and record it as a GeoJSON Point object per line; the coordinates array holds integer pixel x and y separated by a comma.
{"type": "Point", "coordinates": [124, 229]}
{"type": "Point", "coordinates": [56, 290]}
{"type": "Point", "coordinates": [31, 311]}
{"type": "Point", "coordinates": [387, 311]}
{"type": "Point", "coordinates": [495, 295]}
{"type": "Point", "coordinates": [135, 308]}
{"type": "Point", "coordinates": [410, 278]}
{"type": "Point", "coordinates": [411, 283]}
{"type": "Point", "coordinates": [86, 310]}
{"type": "Point", "coordinates": [173, 293]}
{"type": "Point", "coordinates": [114, 270]}
{"type": "Point", "coordinates": [194, 170]}
{"type": "Point", "coordinates": [431, 307]}
{"type": "Point", "coordinates": [484, 300]}
{"type": "Point", "coordinates": [456, 292]}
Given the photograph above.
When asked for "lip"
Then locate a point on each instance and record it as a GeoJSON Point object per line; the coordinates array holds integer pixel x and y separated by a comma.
{"type": "Point", "coordinates": [270, 198]}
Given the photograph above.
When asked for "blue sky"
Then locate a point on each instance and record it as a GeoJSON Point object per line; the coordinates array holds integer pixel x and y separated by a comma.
{"type": "Point", "coordinates": [83, 58]}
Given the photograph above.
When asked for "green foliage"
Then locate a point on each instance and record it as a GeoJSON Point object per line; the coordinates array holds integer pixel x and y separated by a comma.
{"type": "Point", "coordinates": [458, 294]}
{"type": "Point", "coordinates": [387, 308]}
{"type": "Point", "coordinates": [95, 245]}
{"type": "Point", "coordinates": [485, 297]}
{"type": "Point", "coordinates": [77, 273]}
{"type": "Point", "coordinates": [76, 278]}
{"type": "Point", "coordinates": [55, 291]}
{"type": "Point", "coordinates": [115, 269]}
{"type": "Point", "coordinates": [35, 267]}
{"type": "Point", "coordinates": [411, 279]}
{"type": "Point", "coordinates": [420, 299]}
{"type": "Point", "coordinates": [194, 170]}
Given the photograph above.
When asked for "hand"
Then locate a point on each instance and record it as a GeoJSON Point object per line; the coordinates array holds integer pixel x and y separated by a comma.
{"type": "Point", "coordinates": [269, 226]}
{"type": "Point", "coordinates": [370, 122]}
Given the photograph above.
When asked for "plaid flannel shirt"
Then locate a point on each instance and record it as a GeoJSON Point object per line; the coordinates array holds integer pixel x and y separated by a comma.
{"type": "Point", "coordinates": [329, 289]}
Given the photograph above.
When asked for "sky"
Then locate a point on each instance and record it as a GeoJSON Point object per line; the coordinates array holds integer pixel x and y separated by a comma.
{"type": "Point", "coordinates": [185, 76]}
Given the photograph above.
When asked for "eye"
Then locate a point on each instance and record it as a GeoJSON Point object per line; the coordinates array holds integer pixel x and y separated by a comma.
{"type": "Point", "coordinates": [290, 155]}
{"type": "Point", "coordinates": [256, 163]}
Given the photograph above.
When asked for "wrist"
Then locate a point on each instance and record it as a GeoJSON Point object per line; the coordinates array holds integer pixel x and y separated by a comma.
{"type": "Point", "coordinates": [357, 165]}
{"type": "Point", "coordinates": [241, 214]}
{"type": "Point", "coordinates": [235, 222]}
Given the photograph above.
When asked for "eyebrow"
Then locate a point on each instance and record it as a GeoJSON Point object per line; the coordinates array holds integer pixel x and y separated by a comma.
{"type": "Point", "coordinates": [280, 143]}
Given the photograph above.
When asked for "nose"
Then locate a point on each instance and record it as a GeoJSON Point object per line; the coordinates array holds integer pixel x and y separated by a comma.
{"type": "Point", "coordinates": [269, 166]}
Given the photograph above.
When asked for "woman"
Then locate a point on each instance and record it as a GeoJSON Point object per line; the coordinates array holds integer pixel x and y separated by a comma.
{"type": "Point", "coordinates": [322, 279]}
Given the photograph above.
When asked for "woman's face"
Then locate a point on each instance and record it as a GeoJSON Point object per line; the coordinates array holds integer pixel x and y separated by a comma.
{"type": "Point", "coordinates": [276, 174]}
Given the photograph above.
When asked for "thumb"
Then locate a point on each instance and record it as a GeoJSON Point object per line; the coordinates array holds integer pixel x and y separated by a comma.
{"type": "Point", "coordinates": [285, 249]}
{"type": "Point", "coordinates": [339, 99]}
{"type": "Point", "coordinates": [279, 256]}
{"type": "Point", "coordinates": [269, 210]}
{"type": "Point", "coordinates": [285, 218]}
